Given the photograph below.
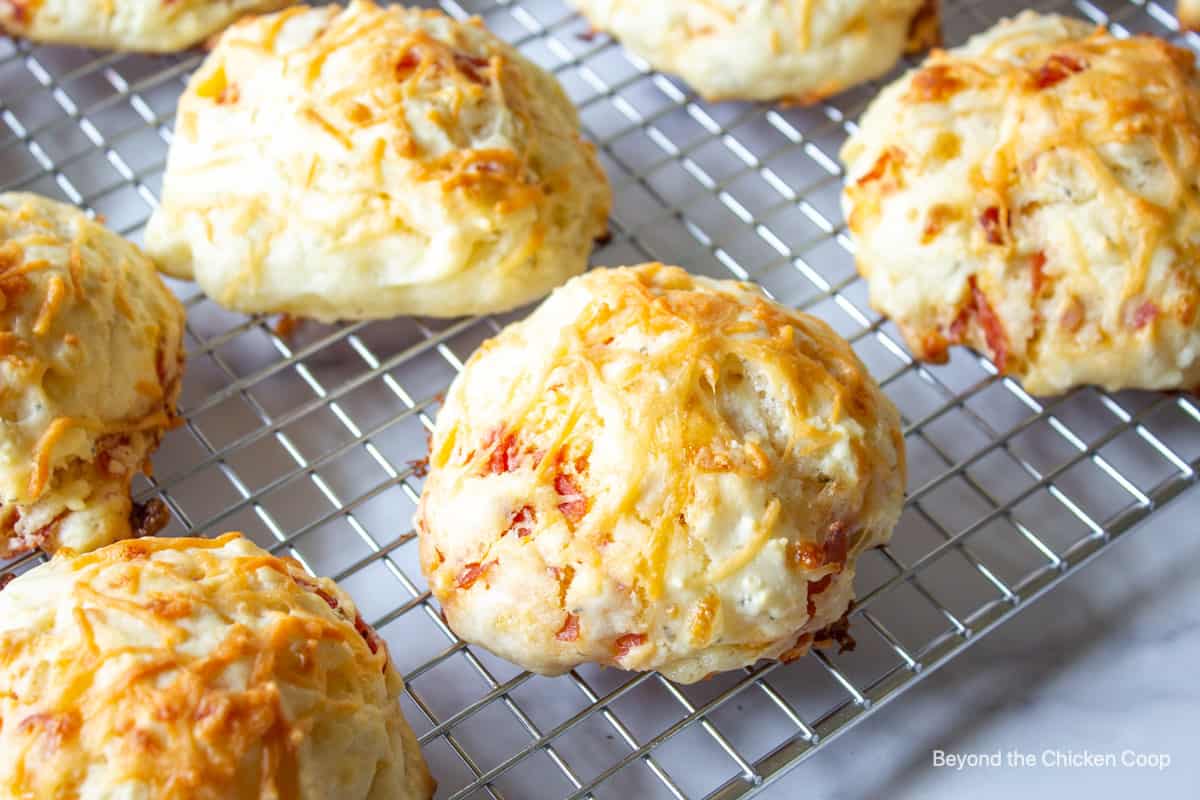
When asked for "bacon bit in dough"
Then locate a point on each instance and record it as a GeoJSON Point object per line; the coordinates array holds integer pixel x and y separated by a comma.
{"type": "Point", "coordinates": [367, 633]}
{"type": "Point", "coordinates": [1037, 272]}
{"type": "Point", "coordinates": [836, 545]}
{"type": "Point", "coordinates": [574, 503]}
{"type": "Point", "coordinates": [993, 330]}
{"type": "Point", "coordinates": [472, 67]}
{"type": "Point", "coordinates": [995, 224]}
{"type": "Point", "coordinates": [360, 626]}
{"type": "Point", "coordinates": [1057, 69]}
{"type": "Point", "coordinates": [629, 642]}
{"type": "Point", "coordinates": [506, 457]}
{"type": "Point", "coordinates": [471, 573]}
{"type": "Point", "coordinates": [814, 589]}
{"type": "Point", "coordinates": [522, 522]}
{"type": "Point", "coordinates": [1072, 315]}
{"type": "Point", "coordinates": [934, 84]}
{"type": "Point", "coordinates": [6, 579]}
{"type": "Point", "coordinates": [408, 63]}
{"type": "Point", "coordinates": [569, 632]}
{"type": "Point", "coordinates": [1140, 314]}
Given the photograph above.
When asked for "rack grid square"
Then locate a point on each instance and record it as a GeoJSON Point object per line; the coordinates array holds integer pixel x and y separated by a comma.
{"type": "Point", "coordinates": [309, 444]}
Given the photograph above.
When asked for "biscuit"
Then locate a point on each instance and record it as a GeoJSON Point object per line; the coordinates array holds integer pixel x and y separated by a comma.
{"type": "Point", "coordinates": [795, 50]}
{"type": "Point", "coordinates": [196, 668]}
{"type": "Point", "coordinates": [657, 471]}
{"type": "Point", "coordinates": [91, 360]}
{"type": "Point", "coordinates": [367, 162]}
{"type": "Point", "coordinates": [1032, 195]}
{"type": "Point", "coordinates": [151, 26]}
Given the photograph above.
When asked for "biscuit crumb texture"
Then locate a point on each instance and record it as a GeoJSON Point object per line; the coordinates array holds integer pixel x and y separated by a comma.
{"type": "Point", "coordinates": [1033, 195]}
{"type": "Point", "coordinates": [149, 26]}
{"type": "Point", "coordinates": [199, 669]}
{"type": "Point", "coordinates": [91, 361]}
{"type": "Point", "coordinates": [657, 471]}
{"type": "Point", "coordinates": [797, 51]}
{"type": "Point", "coordinates": [365, 162]}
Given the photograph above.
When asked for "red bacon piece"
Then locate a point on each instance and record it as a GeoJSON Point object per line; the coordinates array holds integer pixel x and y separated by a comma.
{"type": "Point", "coordinates": [1057, 69]}
{"type": "Point", "coordinates": [569, 632]}
{"type": "Point", "coordinates": [629, 642]}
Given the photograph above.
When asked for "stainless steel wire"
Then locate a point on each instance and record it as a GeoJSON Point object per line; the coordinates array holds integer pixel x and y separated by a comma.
{"type": "Point", "coordinates": [310, 444]}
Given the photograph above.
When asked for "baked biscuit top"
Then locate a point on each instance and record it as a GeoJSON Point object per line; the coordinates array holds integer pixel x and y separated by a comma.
{"type": "Point", "coordinates": [155, 26]}
{"type": "Point", "coordinates": [91, 363]}
{"type": "Point", "coordinates": [661, 460]}
{"type": "Point", "coordinates": [1033, 194]}
{"type": "Point", "coordinates": [195, 668]}
{"type": "Point", "coordinates": [364, 161]}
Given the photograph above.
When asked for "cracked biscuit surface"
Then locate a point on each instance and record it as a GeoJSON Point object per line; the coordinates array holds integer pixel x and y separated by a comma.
{"type": "Point", "coordinates": [365, 162]}
{"type": "Point", "coordinates": [1033, 195]}
{"type": "Point", "coordinates": [91, 363]}
{"type": "Point", "coordinates": [657, 471]}
{"type": "Point", "coordinates": [165, 669]}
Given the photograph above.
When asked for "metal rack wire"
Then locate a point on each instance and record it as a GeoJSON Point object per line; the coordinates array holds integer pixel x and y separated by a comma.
{"type": "Point", "coordinates": [307, 444]}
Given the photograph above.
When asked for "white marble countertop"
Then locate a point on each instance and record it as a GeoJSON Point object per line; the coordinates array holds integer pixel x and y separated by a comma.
{"type": "Point", "coordinates": [1107, 662]}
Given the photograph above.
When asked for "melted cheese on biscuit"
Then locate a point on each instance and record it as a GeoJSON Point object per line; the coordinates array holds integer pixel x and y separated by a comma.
{"type": "Point", "coordinates": [196, 668]}
{"type": "Point", "coordinates": [631, 475]}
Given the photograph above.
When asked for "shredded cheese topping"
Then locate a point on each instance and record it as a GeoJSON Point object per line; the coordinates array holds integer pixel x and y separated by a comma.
{"type": "Point", "coordinates": [1043, 177]}
{"type": "Point", "coordinates": [664, 435]}
{"type": "Point", "coordinates": [90, 364]}
{"type": "Point", "coordinates": [195, 668]}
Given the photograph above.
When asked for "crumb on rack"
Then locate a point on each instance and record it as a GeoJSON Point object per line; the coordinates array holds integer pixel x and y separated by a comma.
{"type": "Point", "coordinates": [149, 518]}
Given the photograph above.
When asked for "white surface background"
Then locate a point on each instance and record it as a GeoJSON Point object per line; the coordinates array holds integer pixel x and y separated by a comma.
{"type": "Point", "coordinates": [1106, 661]}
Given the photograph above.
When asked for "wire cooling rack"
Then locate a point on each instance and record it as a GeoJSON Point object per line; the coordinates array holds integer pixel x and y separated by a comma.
{"type": "Point", "coordinates": [308, 443]}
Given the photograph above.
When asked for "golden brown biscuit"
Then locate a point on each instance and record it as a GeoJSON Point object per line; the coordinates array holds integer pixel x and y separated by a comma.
{"type": "Point", "coordinates": [91, 361]}
{"type": "Point", "coordinates": [368, 162]}
{"type": "Point", "coordinates": [165, 669]}
{"type": "Point", "coordinates": [794, 50]}
{"type": "Point", "coordinates": [1032, 195]}
{"type": "Point", "coordinates": [153, 26]}
{"type": "Point", "coordinates": [657, 471]}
